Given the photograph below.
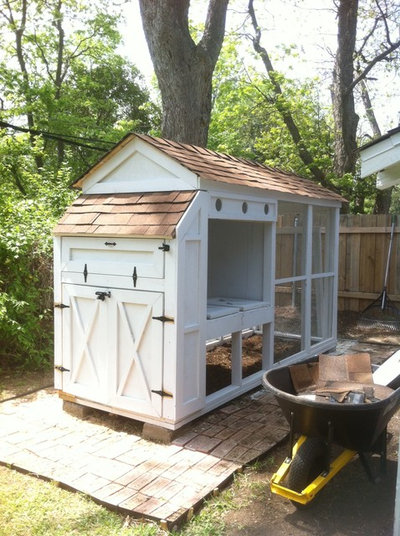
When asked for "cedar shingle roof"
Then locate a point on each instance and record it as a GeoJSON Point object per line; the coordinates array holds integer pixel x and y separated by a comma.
{"type": "Point", "coordinates": [229, 169]}
{"type": "Point", "coordinates": [154, 214]}
{"type": "Point", "coordinates": [157, 214]}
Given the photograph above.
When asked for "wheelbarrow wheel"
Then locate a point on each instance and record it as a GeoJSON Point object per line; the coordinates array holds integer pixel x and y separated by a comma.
{"type": "Point", "coordinates": [308, 463]}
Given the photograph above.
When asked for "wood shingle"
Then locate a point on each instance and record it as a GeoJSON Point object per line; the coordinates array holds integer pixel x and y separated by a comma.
{"type": "Point", "coordinates": [219, 167]}
{"type": "Point", "coordinates": [154, 214]}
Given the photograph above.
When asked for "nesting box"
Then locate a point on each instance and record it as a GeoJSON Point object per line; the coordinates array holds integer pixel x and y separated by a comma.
{"type": "Point", "coordinates": [170, 251]}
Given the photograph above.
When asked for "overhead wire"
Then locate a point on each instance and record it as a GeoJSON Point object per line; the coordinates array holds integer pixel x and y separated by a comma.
{"type": "Point", "coordinates": [66, 138]}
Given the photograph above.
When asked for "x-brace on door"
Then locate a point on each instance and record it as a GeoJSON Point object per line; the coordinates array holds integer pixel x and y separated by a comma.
{"type": "Point", "coordinates": [113, 347]}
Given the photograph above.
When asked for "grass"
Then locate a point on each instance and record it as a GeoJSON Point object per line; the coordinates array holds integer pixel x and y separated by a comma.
{"type": "Point", "coordinates": [33, 507]}
{"type": "Point", "coordinates": [210, 520]}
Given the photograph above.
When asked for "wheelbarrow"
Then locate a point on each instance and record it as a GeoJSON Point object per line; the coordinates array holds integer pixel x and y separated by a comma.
{"type": "Point", "coordinates": [325, 437]}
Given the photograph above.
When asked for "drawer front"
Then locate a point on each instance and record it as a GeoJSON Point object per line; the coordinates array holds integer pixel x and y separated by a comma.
{"type": "Point", "coordinates": [132, 258]}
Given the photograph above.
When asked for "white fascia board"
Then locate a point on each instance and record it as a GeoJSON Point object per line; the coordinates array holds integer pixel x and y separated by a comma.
{"type": "Point", "coordinates": [380, 155]}
{"type": "Point", "coordinates": [219, 187]}
{"type": "Point", "coordinates": [248, 192]}
{"type": "Point", "coordinates": [303, 199]}
{"type": "Point", "coordinates": [116, 173]}
{"type": "Point", "coordinates": [388, 177]}
{"type": "Point", "coordinates": [158, 184]}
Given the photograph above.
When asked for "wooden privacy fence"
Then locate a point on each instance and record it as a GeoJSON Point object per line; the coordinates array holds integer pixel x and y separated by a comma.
{"type": "Point", "coordinates": [363, 248]}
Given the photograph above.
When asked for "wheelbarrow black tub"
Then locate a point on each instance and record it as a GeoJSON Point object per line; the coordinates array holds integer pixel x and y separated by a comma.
{"type": "Point", "coordinates": [356, 427]}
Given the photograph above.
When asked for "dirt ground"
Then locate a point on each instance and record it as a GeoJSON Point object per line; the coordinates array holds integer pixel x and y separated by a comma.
{"type": "Point", "coordinates": [350, 505]}
{"type": "Point", "coordinates": [14, 383]}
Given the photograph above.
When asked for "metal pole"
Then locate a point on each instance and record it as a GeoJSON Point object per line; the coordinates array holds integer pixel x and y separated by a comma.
{"type": "Point", "coordinates": [294, 259]}
{"type": "Point", "coordinates": [396, 528]}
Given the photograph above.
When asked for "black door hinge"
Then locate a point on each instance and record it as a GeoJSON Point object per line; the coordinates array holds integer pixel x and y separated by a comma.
{"type": "Point", "coordinates": [85, 273]}
{"type": "Point", "coordinates": [134, 276]}
{"type": "Point", "coordinates": [164, 247]}
{"type": "Point", "coordinates": [163, 318]}
{"type": "Point", "coordinates": [162, 393]}
{"type": "Point", "coordinates": [61, 368]}
{"type": "Point", "coordinates": [61, 306]}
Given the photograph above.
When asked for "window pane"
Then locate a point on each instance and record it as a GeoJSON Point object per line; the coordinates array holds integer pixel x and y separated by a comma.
{"type": "Point", "coordinates": [288, 320]}
{"type": "Point", "coordinates": [290, 240]}
{"type": "Point", "coordinates": [321, 309]}
{"type": "Point", "coordinates": [322, 247]}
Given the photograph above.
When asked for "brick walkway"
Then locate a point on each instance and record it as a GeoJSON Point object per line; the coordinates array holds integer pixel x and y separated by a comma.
{"type": "Point", "coordinates": [105, 457]}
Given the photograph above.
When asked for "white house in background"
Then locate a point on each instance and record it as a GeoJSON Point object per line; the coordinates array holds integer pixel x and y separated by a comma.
{"type": "Point", "coordinates": [382, 156]}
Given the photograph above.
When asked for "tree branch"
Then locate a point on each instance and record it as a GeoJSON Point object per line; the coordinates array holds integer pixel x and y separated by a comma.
{"type": "Point", "coordinates": [367, 37]}
{"type": "Point", "coordinates": [43, 56]}
{"type": "Point", "coordinates": [213, 35]}
{"type": "Point", "coordinates": [371, 64]}
{"type": "Point", "coordinates": [18, 34]}
{"type": "Point", "coordinates": [9, 18]}
{"type": "Point", "coordinates": [281, 105]}
{"type": "Point", "coordinates": [17, 177]}
{"type": "Point", "coordinates": [384, 19]}
{"type": "Point", "coordinates": [369, 109]}
{"type": "Point", "coordinates": [60, 49]}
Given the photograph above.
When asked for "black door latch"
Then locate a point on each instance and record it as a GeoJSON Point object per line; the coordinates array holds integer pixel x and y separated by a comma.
{"type": "Point", "coordinates": [102, 295]}
{"type": "Point", "coordinates": [61, 368]}
{"type": "Point", "coordinates": [61, 306]}
{"type": "Point", "coordinates": [163, 318]}
{"type": "Point", "coordinates": [162, 393]}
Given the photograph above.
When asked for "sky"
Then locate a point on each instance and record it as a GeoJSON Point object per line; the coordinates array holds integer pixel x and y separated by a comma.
{"type": "Point", "coordinates": [284, 22]}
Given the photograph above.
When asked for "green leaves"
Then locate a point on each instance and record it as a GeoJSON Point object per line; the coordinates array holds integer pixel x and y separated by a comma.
{"type": "Point", "coordinates": [60, 73]}
{"type": "Point", "coordinates": [247, 116]}
{"type": "Point", "coordinates": [25, 280]}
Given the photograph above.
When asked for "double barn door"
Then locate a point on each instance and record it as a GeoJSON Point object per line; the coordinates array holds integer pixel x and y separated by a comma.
{"type": "Point", "coordinates": [112, 341]}
{"type": "Point", "coordinates": [113, 347]}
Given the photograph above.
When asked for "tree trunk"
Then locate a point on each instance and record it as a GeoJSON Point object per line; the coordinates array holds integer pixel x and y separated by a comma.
{"type": "Point", "coordinates": [345, 117]}
{"type": "Point", "coordinates": [383, 199]}
{"type": "Point", "coordinates": [369, 111]}
{"type": "Point", "coordinates": [183, 68]}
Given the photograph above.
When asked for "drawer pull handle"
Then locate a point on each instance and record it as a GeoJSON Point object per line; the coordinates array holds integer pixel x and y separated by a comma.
{"type": "Point", "coordinates": [110, 243]}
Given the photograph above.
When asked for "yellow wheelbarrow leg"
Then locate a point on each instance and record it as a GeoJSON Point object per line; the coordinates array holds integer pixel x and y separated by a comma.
{"type": "Point", "coordinates": [310, 491]}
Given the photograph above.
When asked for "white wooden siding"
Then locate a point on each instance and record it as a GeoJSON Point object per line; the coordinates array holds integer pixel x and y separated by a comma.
{"type": "Point", "coordinates": [191, 284]}
{"type": "Point", "coordinates": [137, 167]}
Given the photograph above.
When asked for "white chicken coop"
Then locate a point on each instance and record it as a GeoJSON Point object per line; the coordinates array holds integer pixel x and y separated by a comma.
{"type": "Point", "coordinates": [170, 251]}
